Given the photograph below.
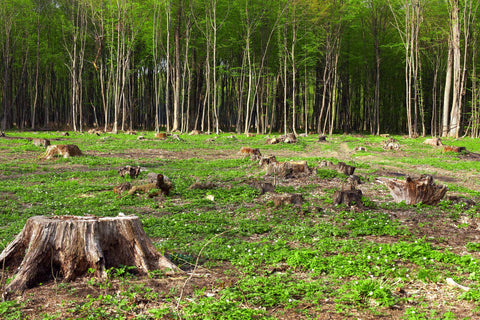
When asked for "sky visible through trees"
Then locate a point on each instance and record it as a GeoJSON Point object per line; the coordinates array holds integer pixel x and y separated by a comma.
{"type": "Point", "coordinates": [322, 66]}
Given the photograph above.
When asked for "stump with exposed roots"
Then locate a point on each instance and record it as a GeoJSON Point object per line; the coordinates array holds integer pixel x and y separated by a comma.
{"type": "Point", "coordinates": [68, 247]}
{"type": "Point", "coordinates": [413, 191]}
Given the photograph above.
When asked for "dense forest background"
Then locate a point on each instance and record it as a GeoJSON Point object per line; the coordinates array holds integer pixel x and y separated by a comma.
{"type": "Point", "coordinates": [397, 66]}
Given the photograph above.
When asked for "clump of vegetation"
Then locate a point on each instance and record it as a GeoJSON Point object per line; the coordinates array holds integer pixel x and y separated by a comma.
{"type": "Point", "coordinates": [246, 257]}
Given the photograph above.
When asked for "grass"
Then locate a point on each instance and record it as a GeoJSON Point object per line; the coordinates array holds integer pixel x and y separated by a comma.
{"type": "Point", "coordinates": [270, 262]}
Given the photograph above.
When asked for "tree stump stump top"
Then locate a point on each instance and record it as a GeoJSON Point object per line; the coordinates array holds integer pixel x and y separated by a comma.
{"type": "Point", "coordinates": [67, 247]}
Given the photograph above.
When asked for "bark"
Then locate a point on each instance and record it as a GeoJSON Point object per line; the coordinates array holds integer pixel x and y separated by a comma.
{"type": "Point", "coordinates": [414, 191]}
{"type": "Point", "coordinates": [176, 93]}
{"type": "Point", "coordinates": [455, 113]}
{"type": "Point", "coordinates": [67, 247]}
{"type": "Point", "coordinates": [448, 88]}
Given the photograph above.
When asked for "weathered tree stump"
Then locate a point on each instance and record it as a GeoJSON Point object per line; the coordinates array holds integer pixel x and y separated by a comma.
{"type": "Point", "coordinates": [202, 186]}
{"type": "Point", "coordinates": [391, 144]}
{"type": "Point", "coordinates": [454, 149]}
{"type": "Point", "coordinates": [66, 247]}
{"type": "Point", "coordinates": [285, 199]}
{"type": "Point", "coordinates": [263, 187]}
{"type": "Point", "coordinates": [348, 197]}
{"type": "Point", "coordinates": [254, 153]}
{"type": "Point", "coordinates": [436, 142]}
{"type": "Point", "coordinates": [122, 188]}
{"type": "Point", "coordinates": [289, 169]}
{"type": "Point", "coordinates": [41, 142]}
{"type": "Point", "coordinates": [272, 140]}
{"type": "Point", "coordinates": [267, 160]}
{"type": "Point", "coordinates": [322, 138]}
{"type": "Point", "coordinates": [344, 168]}
{"type": "Point", "coordinates": [195, 132]}
{"type": "Point", "coordinates": [288, 138]}
{"type": "Point", "coordinates": [162, 185]}
{"type": "Point", "coordinates": [64, 150]}
{"type": "Point", "coordinates": [130, 171]}
{"type": "Point", "coordinates": [422, 190]}
{"type": "Point", "coordinates": [161, 135]}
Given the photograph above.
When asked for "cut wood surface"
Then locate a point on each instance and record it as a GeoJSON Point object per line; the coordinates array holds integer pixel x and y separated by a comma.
{"type": "Point", "coordinates": [66, 247]}
{"type": "Point", "coordinates": [413, 191]}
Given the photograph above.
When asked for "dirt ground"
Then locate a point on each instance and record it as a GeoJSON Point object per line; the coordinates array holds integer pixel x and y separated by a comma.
{"type": "Point", "coordinates": [54, 299]}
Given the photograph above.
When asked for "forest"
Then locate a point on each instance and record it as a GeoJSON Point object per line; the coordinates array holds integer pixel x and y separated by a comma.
{"type": "Point", "coordinates": [324, 66]}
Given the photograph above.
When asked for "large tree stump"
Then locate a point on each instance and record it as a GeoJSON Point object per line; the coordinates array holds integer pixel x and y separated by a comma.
{"type": "Point", "coordinates": [66, 247]}
{"type": "Point", "coordinates": [412, 191]}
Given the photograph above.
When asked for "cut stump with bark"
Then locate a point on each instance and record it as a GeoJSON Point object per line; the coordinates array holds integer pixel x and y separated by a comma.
{"type": "Point", "coordinates": [289, 169]}
{"type": "Point", "coordinates": [67, 247]}
{"type": "Point", "coordinates": [413, 191]}
{"type": "Point", "coordinates": [348, 197]}
{"type": "Point", "coordinates": [130, 171]}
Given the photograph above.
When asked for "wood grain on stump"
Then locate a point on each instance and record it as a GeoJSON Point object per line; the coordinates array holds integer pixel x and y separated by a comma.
{"type": "Point", "coordinates": [66, 247]}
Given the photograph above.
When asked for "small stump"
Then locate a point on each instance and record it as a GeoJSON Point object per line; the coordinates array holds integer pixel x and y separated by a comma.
{"type": "Point", "coordinates": [391, 144]}
{"type": "Point", "coordinates": [161, 135]}
{"type": "Point", "coordinates": [289, 169]}
{"type": "Point", "coordinates": [348, 197]}
{"type": "Point", "coordinates": [253, 153]}
{"type": "Point", "coordinates": [295, 199]}
{"type": "Point", "coordinates": [130, 171]}
{"type": "Point", "coordinates": [41, 142]}
{"type": "Point", "coordinates": [68, 246]}
{"type": "Point", "coordinates": [435, 142]}
{"type": "Point", "coordinates": [414, 191]}
{"type": "Point", "coordinates": [454, 149]}
{"type": "Point", "coordinates": [344, 168]}
{"type": "Point", "coordinates": [64, 150]}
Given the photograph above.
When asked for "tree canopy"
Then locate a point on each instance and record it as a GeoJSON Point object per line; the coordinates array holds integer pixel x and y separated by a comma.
{"type": "Point", "coordinates": [396, 66]}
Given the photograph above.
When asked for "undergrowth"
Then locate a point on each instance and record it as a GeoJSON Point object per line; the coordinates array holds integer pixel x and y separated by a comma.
{"type": "Point", "coordinates": [285, 261]}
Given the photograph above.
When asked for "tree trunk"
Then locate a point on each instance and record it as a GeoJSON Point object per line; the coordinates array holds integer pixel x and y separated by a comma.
{"type": "Point", "coordinates": [455, 113]}
{"type": "Point", "coordinates": [67, 247]}
{"type": "Point", "coordinates": [448, 88]}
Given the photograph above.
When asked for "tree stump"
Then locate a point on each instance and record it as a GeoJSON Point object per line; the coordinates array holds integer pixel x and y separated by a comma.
{"type": "Point", "coordinates": [264, 161]}
{"type": "Point", "coordinates": [130, 171]}
{"type": "Point", "coordinates": [412, 191]}
{"type": "Point", "coordinates": [454, 149]}
{"type": "Point", "coordinates": [436, 142]}
{"type": "Point", "coordinates": [41, 142]}
{"type": "Point", "coordinates": [263, 187]}
{"type": "Point", "coordinates": [348, 197]}
{"type": "Point", "coordinates": [391, 144]}
{"type": "Point", "coordinates": [289, 169]}
{"type": "Point", "coordinates": [285, 199]}
{"type": "Point", "coordinates": [344, 168]}
{"type": "Point", "coordinates": [64, 150]}
{"type": "Point", "coordinates": [68, 246]}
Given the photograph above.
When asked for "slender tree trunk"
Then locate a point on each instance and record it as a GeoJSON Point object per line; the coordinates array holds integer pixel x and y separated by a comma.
{"type": "Point", "coordinates": [447, 91]}
{"type": "Point", "coordinates": [37, 67]}
{"type": "Point", "coordinates": [455, 112]}
{"type": "Point", "coordinates": [176, 95]}
{"type": "Point", "coordinates": [294, 74]}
